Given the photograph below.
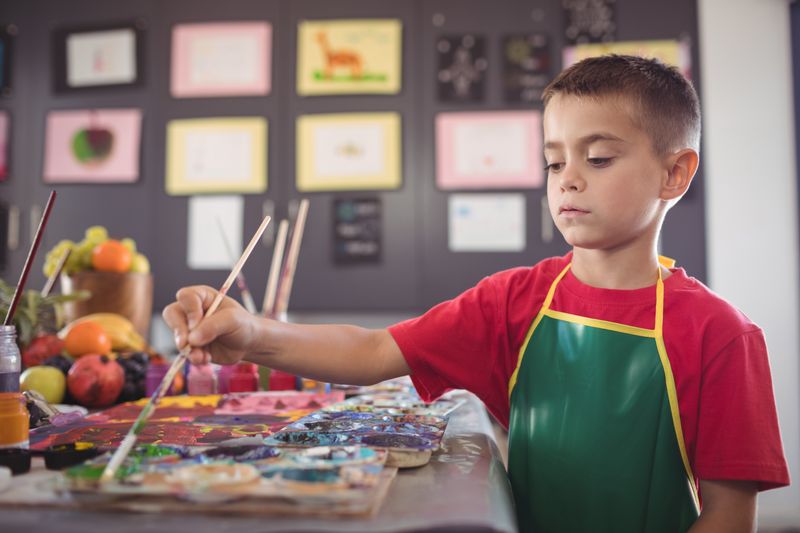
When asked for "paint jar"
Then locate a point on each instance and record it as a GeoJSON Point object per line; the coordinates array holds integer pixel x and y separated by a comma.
{"type": "Point", "coordinates": [13, 420]}
{"type": "Point", "coordinates": [224, 377]}
{"type": "Point", "coordinates": [244, 378]}
{"type": "Point", "coordinates": [156, 373]}
{"type": "Point", "coordinates": [279, 380]}
{"type": "Point", "coordinates": [312, 385]}
{"type": "Point", "coordinates": [201, 380]}
{"type": "Point", "coordinates": [10, 359]}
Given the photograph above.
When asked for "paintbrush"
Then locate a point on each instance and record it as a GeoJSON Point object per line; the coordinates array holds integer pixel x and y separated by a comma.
{"type": "Point", "coordinates": [247, 298]}
{"type": "Point", "coordinates": [26, 269]}
{"type": "Point", "coordinates": [130, 439]}
{"type": "Point", "coordinates": [285, 289]}
{"type": "Point", "coordinates": [268, 305]}
{"type": "Point", "coordinates": [48, 286]}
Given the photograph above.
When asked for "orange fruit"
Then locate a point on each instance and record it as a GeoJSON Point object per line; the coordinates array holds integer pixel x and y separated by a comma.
{"type": "Point", "coordinates": [111, 256]}
{"type": "Point", "coordinates": [85, 338]}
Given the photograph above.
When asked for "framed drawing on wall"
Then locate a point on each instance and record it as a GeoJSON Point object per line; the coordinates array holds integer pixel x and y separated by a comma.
{"type": "Point", "coordinates": [5, 144]}
{"type": "Point", "coordinates": [92, 146]}
{"type": "Point", "coordinates": [100, 56]}
{"type": "Point", "coordinates": [221, 59]}
{"type": "Point", "coordinates": [6, 37]}
{"type": "Point", "coordinates": [489, 150]}
{"type": "Point", "coordinates": [217, 155]}
{"type": "Point", "coordinates": [348, 151]}
{"type": "Point", "coordinates": [361, 56]}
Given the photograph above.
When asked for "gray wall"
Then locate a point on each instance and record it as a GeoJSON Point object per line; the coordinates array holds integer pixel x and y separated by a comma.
{"type": "Point", "coordinates": [417, 269]}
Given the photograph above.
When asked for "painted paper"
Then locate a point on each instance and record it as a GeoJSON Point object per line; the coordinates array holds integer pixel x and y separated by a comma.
{"type": "Point", "coordinates": [349, 57]}
{"type": "Point", "coordinates": [216, 155]}
{"type": "Point", "coordinates": [486, 223]}
{"type": "Point", "coordinates": [92, 146]}
{"type": "Point", "coordinates": [207, 214]}
{"type": "Point", "coordinates": [101, 58]}
{"type": "Point", "coordinates": [221, 59]}
{"type": "Point", "coordinates": [589, 21]}
{"type": "Point", "coordinates": [357, 231]}
{"type": "Point", "coordinates": [5, 61]}
{"type": "Point", "coordinates": [489, 150]}
{"type": "Point", "coordinates": [5, 144]}
{"type": "Point", "coordinates": [527, 67]}
{"type": "Point", "coordinates": [671, 52]}
{"type": "Point", "coordinates": [462, 65]}
{"type": "Point", "coordinates": [189, 421]}
{"type": "Point", "coordinates": [356, 151]}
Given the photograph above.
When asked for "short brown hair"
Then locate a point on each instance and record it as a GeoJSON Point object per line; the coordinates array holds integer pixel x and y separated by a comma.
{"type": "Point", "coordinates": [669, 111]}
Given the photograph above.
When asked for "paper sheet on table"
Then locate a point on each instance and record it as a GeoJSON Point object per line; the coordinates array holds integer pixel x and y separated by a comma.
{"type": "Point", "coordinates": [486, 223]}
{"type": "Point", "coordinates": [206, 248]}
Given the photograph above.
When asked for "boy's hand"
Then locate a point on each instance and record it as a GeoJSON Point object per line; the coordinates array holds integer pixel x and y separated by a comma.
{"type": "Point", "coordinates": [224, 337]}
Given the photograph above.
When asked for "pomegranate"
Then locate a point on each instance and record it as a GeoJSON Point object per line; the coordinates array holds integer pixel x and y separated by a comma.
{"type": "Point", "coordinates": [40, 349]}
{"type": "Point", "coordinates": [95, 380]}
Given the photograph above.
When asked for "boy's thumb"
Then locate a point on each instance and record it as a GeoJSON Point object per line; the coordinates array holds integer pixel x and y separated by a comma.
{"type": "Point", "coordinates": [203, 334]}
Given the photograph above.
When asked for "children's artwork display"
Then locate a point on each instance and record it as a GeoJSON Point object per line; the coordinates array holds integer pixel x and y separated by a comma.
{"type": "Point", "coordinates": [92, 146]}
{"type": "Point", "coordinates": [589, 21]}
{"type": "Point", "coordinates": [362, 56]}
{"type": "Point", "coordinates": [527, 67]}
{"type": "Point", "coordinates": [357, 230]}
{"type": "Point", "coordinates": [6, 37]}
{"type": "Point", "coordinates": [216, 155]}
{"type": "Point", "coordinates": [489, 150]}
{"type": "Point", "coordinates": [5, 144]}
{"type": "Point", "coordinates": [100, 56]}
{"type": "Point", "coordinates": [486, 223]}
{"type": "Point", "coordinates": [672, 52]}
{"type": "Point", "coordinates": [186, 420]}
{"type": "Point", "coordinates": [221, 59]}
{"type": "Point", "coordinates": [356, 151]}
{"type": "Point", "coordinates": [209, 216]}
{"type": "Point", "coordinates": [462, 66]}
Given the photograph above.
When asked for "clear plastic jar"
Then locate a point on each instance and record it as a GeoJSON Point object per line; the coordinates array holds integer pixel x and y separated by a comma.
{"type": "Point", "coordinates": [10, 359]}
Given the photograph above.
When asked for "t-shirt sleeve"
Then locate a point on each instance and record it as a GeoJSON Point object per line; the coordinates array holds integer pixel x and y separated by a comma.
{"type": "Point", "coordinates": [457, 345]}
{"type": "Point", "coordinates": [738, 436]}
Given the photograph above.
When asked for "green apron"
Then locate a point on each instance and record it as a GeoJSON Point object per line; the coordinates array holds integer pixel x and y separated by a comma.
{"type": "Point", "coordinates": [595, 441]}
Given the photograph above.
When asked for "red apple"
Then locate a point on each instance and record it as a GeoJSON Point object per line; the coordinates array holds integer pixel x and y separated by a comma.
{"type": "Point", "coordinates": [40, 349]}
{"type": "Point", "coordinates": [95, 380]}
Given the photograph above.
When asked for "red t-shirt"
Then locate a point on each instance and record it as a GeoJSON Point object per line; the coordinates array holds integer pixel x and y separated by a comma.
{"type": "Point", "coordinates": [718, 358]}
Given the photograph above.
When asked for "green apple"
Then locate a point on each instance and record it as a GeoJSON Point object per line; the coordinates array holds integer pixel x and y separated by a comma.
{"type": "Point", "coordinates": [46, 380]}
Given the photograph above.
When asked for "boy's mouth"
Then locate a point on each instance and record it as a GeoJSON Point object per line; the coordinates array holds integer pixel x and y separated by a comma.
{"type": "Point", "coordinates": [571, 211]}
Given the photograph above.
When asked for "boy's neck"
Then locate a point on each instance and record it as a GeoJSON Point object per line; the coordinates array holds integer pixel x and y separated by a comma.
{"type": "Point", "coordinates": [622, 269]}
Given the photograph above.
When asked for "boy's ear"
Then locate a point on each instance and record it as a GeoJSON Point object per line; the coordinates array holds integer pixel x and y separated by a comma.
{"type": "Point", "coordinates": [681, 168]}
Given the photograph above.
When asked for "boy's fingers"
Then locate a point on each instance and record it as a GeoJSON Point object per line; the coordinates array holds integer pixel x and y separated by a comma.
{"type": "Point", "coordinates": [176, 320]}
{"type": "Point", "coordinates": [198, 356]}
{"type": "Point", "coordinates": [194, 301]}
{"type": "Point", "coordinates": [207, 331]}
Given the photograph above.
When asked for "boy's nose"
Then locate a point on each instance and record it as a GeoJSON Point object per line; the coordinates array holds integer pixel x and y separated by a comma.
{"type": "Point", "coordinates": [570, 179]}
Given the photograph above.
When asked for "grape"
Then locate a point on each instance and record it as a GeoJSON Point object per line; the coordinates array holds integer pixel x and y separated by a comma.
{"type": "Point", "coordinates": [96, 234]}
{"type": "Point", "coordinates": [130, 244]}
{"type": "Point", "coordinates": [60, 362]}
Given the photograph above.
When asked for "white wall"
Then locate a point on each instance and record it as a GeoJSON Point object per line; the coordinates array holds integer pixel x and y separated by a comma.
{"type": "Point", "coordinates": [751, 200]}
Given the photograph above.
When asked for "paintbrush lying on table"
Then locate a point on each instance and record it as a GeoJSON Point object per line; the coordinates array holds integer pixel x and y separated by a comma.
{"type": "Point", "coordinates": [128, 442]}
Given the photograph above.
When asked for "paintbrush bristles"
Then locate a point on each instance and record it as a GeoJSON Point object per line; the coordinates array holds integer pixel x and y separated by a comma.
{"type": "Point", "coordinates": [285, 288]}
{"type": "Point", "coordinates": [130, 439]}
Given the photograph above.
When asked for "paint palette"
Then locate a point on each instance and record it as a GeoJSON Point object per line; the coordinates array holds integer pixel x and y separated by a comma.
{"type": "Point", "coordinates": [409, 439]}
{"type": "Point", "coordinates": [254, 479]}
{"type": "Point", "coordinates": [398, 404]}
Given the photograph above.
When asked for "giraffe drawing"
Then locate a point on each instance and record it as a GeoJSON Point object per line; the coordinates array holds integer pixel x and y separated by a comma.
{"type": "Point", "coordinates": [335, 58]}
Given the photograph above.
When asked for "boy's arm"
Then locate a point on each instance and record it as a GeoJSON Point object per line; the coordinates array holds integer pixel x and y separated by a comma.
{"type": "Point", "coordinates": [332, 353]}
{"type": "Point", "coordinates": [728, 506]}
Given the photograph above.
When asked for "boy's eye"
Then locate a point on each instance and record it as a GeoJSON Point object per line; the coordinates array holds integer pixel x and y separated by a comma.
{"type": "Point", "coordinates": [553, 167]}
{"type": "Point", "coordinates": [599, 162]}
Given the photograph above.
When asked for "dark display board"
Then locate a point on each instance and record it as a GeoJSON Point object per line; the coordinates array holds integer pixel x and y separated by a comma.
{"type": "Point", "coordinates": [415, 269]}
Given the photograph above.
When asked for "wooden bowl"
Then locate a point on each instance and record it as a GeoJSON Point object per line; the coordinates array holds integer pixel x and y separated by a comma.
{"type": "Point", "coordinates": [128, 294]}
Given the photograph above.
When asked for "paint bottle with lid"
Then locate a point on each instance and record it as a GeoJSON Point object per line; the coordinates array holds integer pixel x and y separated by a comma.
{"type": "Point", "coordinates": [10, 359]}
{"type": "Point", "coordinates": [14, 420]}
{"type": "Point", "coordinates": [244, 378]}
{"type": "Point", "coordinates": [201, 380]}
{"type": "Point", "coordinates": [155, 373]}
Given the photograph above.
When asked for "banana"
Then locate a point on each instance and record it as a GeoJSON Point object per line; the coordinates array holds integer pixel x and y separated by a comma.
{"type": "Point", "coordinates": [124, 337]}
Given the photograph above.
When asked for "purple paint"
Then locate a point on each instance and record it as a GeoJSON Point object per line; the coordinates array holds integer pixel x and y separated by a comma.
{"type": "Point", "coordinates": [9, 381]}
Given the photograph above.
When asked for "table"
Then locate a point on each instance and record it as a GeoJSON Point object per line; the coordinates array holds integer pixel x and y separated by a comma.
{"type": "Point", "coordinates": [464, 488]}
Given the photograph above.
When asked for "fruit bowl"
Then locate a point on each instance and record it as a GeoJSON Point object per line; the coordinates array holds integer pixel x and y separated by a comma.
{"type": "Point", "coordinates": [129, 294]}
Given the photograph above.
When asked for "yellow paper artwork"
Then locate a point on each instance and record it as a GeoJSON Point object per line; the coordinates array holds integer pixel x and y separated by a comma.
{"type": "Point", "coordinates": [217, 155]}
{"type": "Point", "coordinates": [349, 57]}
{"type": "Point", "coordinates": [355, 151]}
{"type": "Point", "coordinates": [671, 52]}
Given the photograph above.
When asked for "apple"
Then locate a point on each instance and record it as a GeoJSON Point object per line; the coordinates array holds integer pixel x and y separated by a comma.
{"type": "Point", "coordinates": [40, 349]}
{"type": "Point", "coordinates": [95, 380]}
{"type": "Point", "coordinates": [46, 380]}
{"type": "Point", "coordinates": [92, 145]}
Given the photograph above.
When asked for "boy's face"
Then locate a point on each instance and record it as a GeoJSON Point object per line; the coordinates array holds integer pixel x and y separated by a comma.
{"type": "Point", "coordinates": [603, 176]}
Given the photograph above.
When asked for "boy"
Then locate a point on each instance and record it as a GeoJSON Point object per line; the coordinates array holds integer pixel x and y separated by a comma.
{"type": "Point", "coordinates": [629, 388]}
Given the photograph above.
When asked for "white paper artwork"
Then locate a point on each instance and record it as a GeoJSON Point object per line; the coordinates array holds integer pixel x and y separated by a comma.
{"type": "Point", "coordinates": [219, 155]}
{"type": "Point", "coordinates": [207, 249]}
{"type": "Point", "coordinates": [101, 58]}
{"type": "Point", "coordinates": [486, 223]}
{"type": "Point", "coordinates": [349, 150]}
